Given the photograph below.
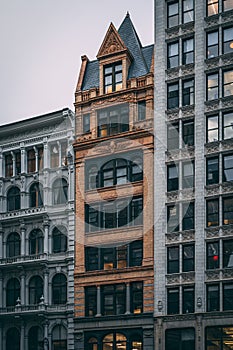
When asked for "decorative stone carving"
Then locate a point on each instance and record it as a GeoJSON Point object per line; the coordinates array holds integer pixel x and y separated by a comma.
{"type": "Point", "coordinates": [212, 147]}
{"type": "Point", "coordinates": [188, 277]}
{"type": "Point", "coordinates": [172, 196]}
{"type": "Point", "coordinates": [173, 73]}
{"type": "Point", "coordinates": [227, 230]}
{"type": "Point", "coordinates": [172, 114]}
{"type": "Point", "coordinates": [172, 237]}
{"type": "Point", "coordinates": [212, 63]}
{"type": "Point", "coordinates": [211, 105]}
{"type": "Point", "coordinates": [172, 32]}
{"type": "Point", "coordinates": [188, 235]}
{"type": "Point", "coordinates": [173, 279]}
{"type": "Point", "coordinates": [112, 146]}
{"type": "Point", "coordinates": [212, 275]}
{"type": "Point", "coordinates": [212, 190]}
{"type": "Point", "coordinates": [187, 111]}
{"type": "Point", "coordinates": [227, 16]}
{"type": "Point", "coordinates": [227, 145]}
{"type": "Point", "coordinates": [227, 59]}
{"type": "Point", "coordinates": [227, 102]}
{"type": "Point", "coordinates": [212, 232]}
{"type": "Point", "coordinates": [227, 273]}
{"type": "Point", "coordinates": [213, 20]}
{"type": "Point", "coordinates": [122, 98]}
{"type": "Point", "coordinates": [187, 28]}
{"type": "Point", "coordinates": [227, 187]}
{"type": "Point", "coordinates": [187, 69]}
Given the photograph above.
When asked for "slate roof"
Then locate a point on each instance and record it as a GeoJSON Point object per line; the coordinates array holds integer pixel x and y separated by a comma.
{"type": "Point", "coordinates": [141, 62]}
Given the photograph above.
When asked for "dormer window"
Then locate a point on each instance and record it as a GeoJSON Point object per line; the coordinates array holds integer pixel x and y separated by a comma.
{"type": "Point", "coordinates": [113, 77]}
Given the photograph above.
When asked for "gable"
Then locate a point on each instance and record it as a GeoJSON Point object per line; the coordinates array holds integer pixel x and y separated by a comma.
{"type": "Point", "coordinates": [112, 43]}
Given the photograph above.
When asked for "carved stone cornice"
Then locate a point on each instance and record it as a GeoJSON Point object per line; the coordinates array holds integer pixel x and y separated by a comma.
{"type": "Point", "coordinates": [212, 232]}
{"type": "Point", "coordinates": [227, 102]}
{"type": "Point", "coordinates": [211, 106]}
{"type": "Point", "coordinates": [188, 277]}
{"type": "Point", "coordinates": [173, 279]}
{"type": "Point", "coordinates": [212, 63]}
{"type": "Point", "coordinates": [172, 114]}
{"type": "Point", "coordinates": [212, 190]}
{"type": "Point", "coordinates": [212, 275]}
{"type": "Point", "coordinates": [188, 235]}
{"type": "Point", "coordinates": [172, 237]}
{"type": "Point", "coordinates": [227, 273]}
{"type": "Point", "coordinates": [212, 147]}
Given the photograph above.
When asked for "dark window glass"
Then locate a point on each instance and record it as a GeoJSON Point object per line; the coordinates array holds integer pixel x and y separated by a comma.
{"type": "Point", "coordinates": [227, 125]}
{"type": "Point", "coordinates": [188, 255]}
{"type": "Point", "coordinates": [172, 96]}
{"type": "Point", "coordinates": [86, 123]}
{"type": "Point", "coordinates": [212, 171]}
{"type": "Point", "coordinates": [212, 7]}
{"type": "Point", "coordinates": [212, 128]}
{"type": "Point", "coordinates": [91, 177]}
{"type": "Point", "coordinates": [188, 133]}
{"type": "Point", "coordinates": [63, 150]}
{"type": "Point", "coordinates": [13, 245]}
{"type": "Point", "coordinates": [213, 297]}
{"type": "Point", "coordinates": [212, 86]}
{"type": "Point", "coordinates": [13, 199]}
{"type": "Point", "coordinates": [173, 55]}
{"type": "Point", "coordinates": [219, 338]}
{"type": "Point", "coordinates": [227, 296]}
{"type": "Point", "coordinates": [188, 11]}
{"type": "Point", "coordinates": [212, 44]}
{"type": "Point", "coordinates": [90, 301]}
{"type": "Point", "coordinates": [173, 259]}
{"type": "Point", "coordinates": [113, 120]}
{"type": "Point", "coordinates": [228, 253]}
{"type": "Point", "coordinates": [212, 250]}
{"type": "Point", "coordinates": [31, 161]}
{"type": "Point", "coordinates": [36, 286]}
{"type": "Point", "coordinates": [188, 51]}
{"type": "Point", "coordinates": [172, 178]}
{"type": "Point", "coordinates": [60, 191]}
{"type": "Point", "coordinates": [59, 289]}
{"type": "Point", "coordinates": [59, 338]}
{"type": "Point", "coordinates": [12, 292]}
{"type": "Point", "coordinates": [172, 14]}
{"type": "Point", "coordinates": [188, 216]}
{"type": "Point", "coordinates": [180, 339]}
{"type": "Point", "coordinates": [188, 92]}
{"type": "Point", "coordinates": [227, 5]}
{"type": "Point", "coordinates": [188, 175]}
{"type": "Point", "coordinates": [188, 300]}
{"type": "Point", "coordinates": [227, 211]}
{"type": "Point", "coordinates": [228, 40]}
{"type": "Point", "coordinates": [113, 77]}
{"type": "Point", "coordinates": [35, 339]}
{"type": "Point", "coordinates": [141, 110]}
{"type": "Point", "coordinates": [36, 195]}
{"type": "Point", "coordinates": [228, 168]}
{"type": "Point", "coordinates": [36, 242]}
{"type": "Point", "coordinates": [212, 215]}
{"type": "Point", "coordinates": [40, 158]}
{"type": "Point", "coordinates": [91, 258]}
{"type": "Point", "coordinates": [54, 156]}
{"type": "Point", "coordinates": [113, 299]}
{"type": "Point", "coordinates": [59, 238]}
{"type": "Point", "coordinates": [136, 294]}
{"type": "Point", "coordinates": [13, 339]}
{"type": "Point", "coordinates": [228, 83]}
{"type": "Point", "coordinates": [173, 301]}
{"type": "Point", "coordinates": [17, 163]}
{"type": "Point", "coordinates": [108, 258]}
{"type": "Point", "coordinates": [173, 218]}
{"type": "Point", "coordinates": [8, 165]}
{"type": "Point", "coordinates": [136, 253]}
{"type": "Point", "coordinates": [173, 136]}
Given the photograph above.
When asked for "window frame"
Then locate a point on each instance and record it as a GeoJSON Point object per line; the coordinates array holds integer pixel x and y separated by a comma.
{"type": "Point", "coordinates": [211, 88]}
{"type": "Point", "coordinates": [188, 299]}
{"type": "Point", "coordinates": [173, 304]}
{"type": "Point", "coordinates": [177, 218]}
{"type": "Point", "coordinates": [227, 221]}
{"type": "Point", "coordinates": [226, 84]}
{"type": "Point", "coordinates": [173, 58]}
{"type": "Point", "coordinates": [208, 129]}
{"type": "Point", "coordinates": [213, 297]}
{"type": "Point", "coordinates": [105, 117]}
{"type": "Point", "coordinates": [86, 123]}
{"type": "Point", "coordinates": [212, 255]}
{"type": "Point", "coordinates": [176, 15]}
{"type": "Point", "coordinates": [215, 213]}
{"type": "Point", "coordinates": [209, 5]}
{"type": "Point", "coordinates": [214, 173]}
{"type": "Point", "coordinates": [173, 263]}
{"type": "Point", "coordinates": [172, 182]}
{"type": "Point", "coordinates": [214, 46]}
{"type": "Point", "coordinates": [113, 74]}
{"type": "Point", "coordinates": [226, 126]}
{"type": "Point", "coordinates": [188, 93]}
{"type": "Point", "coordinates": [188, 219]}
{"type": "Point", "coordinates": [184, 12]}
{"type": "Point", "coordinates": [188, 136]}
{"type": "Point", "coordinates": [188, 263]}
{"type": "Point", "coordinates": [187, 53]}
{"type": "Point", "coordinates": [173, 101]}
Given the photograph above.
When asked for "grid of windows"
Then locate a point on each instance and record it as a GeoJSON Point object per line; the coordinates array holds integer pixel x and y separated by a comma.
{"type": "Point", "coordinates": [187, 8]}
{"type": "Point", "coordinates": [213, 130]}
{"type": "Point", "coordinates": [173, 220]}
{"type": "Point", "coordinates": [113, 120]}
{"type": "Point", "coordinates": [113, 77]}
{"type": "Point", "coordinates": [188, 258]}
{"type": "Point", "coordinates": [174, 130]}
{"type": "Point", "coordinates": [180, 339]}
{"type": "Point", "coordinates": [187, 94]}
{"type": "Point", "coordinates": [173, 300]}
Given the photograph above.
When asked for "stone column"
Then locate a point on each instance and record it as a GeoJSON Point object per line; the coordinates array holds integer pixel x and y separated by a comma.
{"type": "Point", "coordinates": [23, 158]}
{"type": "Point", "coordinates": [1, 163]}
{"type": "Point", "coordinates": [46, 236]}
{"type": "Point", "coordinates": [36, 155]}
{"type": "Point", "coordinates": [98, 302]}
{"type": "Point", "coordinates": [1, 242]}
{"type": "Point", "coordinates": [22, 335]}
{"type": "Point", "coordinates": [127, 298]}
{"type": "Point", "coordinates": [13, 160]}
{"type": "Point", "coordinates": [22, 288]}
{"type": "Point", "coordinates": [59, 151]}
{"type": "Point", "coordinates": [23, 241]}
{"type": "Point", "coordinates": [46, 158]}
{"type": "Point", "coordinates": [46, 286]}
{"type": "Point", "coordinates": [46, 339]}
{"type": "Point", "coordinates": [1, 292]}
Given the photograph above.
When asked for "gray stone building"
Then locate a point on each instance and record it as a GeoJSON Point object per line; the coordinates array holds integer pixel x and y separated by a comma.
{"type": "Point", "coordinates": [37, 233]}
{"type": "Point", "coordinates": [193, 174]}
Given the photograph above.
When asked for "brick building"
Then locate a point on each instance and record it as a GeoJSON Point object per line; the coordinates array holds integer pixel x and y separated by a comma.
{"type": "Point", "coordinates": [114, 274]}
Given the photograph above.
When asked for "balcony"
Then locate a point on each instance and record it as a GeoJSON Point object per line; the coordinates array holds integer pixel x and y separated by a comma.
{"type": "Point", "coordinates": [35, 258]}
{"type": "Point", "coordinates": [35, 309]}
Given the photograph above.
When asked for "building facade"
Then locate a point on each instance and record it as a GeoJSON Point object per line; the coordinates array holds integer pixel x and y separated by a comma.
{"type": "Point", "coordinates": [114, 274]}
{"type": "Point", "coordinates": [193, 194]}
{"type": "Point", "coordinates": [37, 233]}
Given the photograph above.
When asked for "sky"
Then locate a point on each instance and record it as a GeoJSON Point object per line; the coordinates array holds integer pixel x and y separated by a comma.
{"type": "Point", "coordinates": [42, 42]}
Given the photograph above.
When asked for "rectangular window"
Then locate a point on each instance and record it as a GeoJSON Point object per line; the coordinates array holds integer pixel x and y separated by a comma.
{"type": "Point", "coordinates": [212, 212]}
{"type": "Point", "coordinates": [108, 258]}
{"type": "Point", "coordinates": [212, 44]}
{"type": "Point", "coordinates": [228, 253]}
{"type": "Point", "coordinates": [172, 218]}
{"type": "Point", "coordinates": [173, 259]}
{"type": "Point", "coordinates": [212, 128]}
{"type": "Point", "coordinates": [136, 253]}
{"type": "Point", "coordinates": [219, 338]}
{"type": "Point", "coordinates": [212, 171]}
{"type": "Point", "coordinates": [91, 258]}
{"type": "Point", "coordinates": [17, 163]}
{"type": "Point", "coordinates": [228, 125]}
{"type": "Point", "coordinates": [8, 165]}
{"type": "Point", "coordinates": [172, 95]}
{"type": "Point", "coordinates": [212, 7]}
{"type": "Point", "coordinates": [227, 5]}
{"type": "Point", "coordinates": [86, 123]}
{"type": "Point", "coordinates": [54, 156]}
{"type": "Point", "coordinates": [188, 256]}
{"type": "Point", "coordinates": [188, 133]}
{"type": "Point", "coordinates": [188, 175]}
{"type": "Point", "coordinates": [188, 92]}
{"type": "Point", "coordinates": [113, 77]}
{"type": "Point", "coordinates": [173, 136]}
{"type": "Point", "coordinates": [141, 110]}
{"type": "Point", "coordinates": [188, 216]}
{"type": "Point", "coordinates": [227, 296]}
{"type": "Point", "coordinates": [172, 14]}
{"type": "Point", "coordinates": [188, 51]}
{"type": "Point", "coordinates": [188, 11]}
{"type": "Point", "coordinates": [136, 294]}
{"type": "Point", "coordinates": [172, 178]}
{"type": "Point", "coordinates": [113, 299]}
{"type": "Point", "coordinates": [228, 83]}
{"type": "Point", "coordinates": [173, 55]}
{"type": "Point", "coordinates": [212, 252]}
{"type": "Point", "coordinates": [228, 168]}
{"type": "Point", "coordinates": [113, 120]}
{"type": "Point", "coordinates": [40, 158]}
{"type": "Point", "coordinates": [121, 256]}
{"type": "Point", "coordinates": [173, 303]}
{"type": "Point", "coordinates": [90, 301]}
{"type": "Point", "coordinates": [227, 40]}
{"type": "Point", "coordinates": [31, 161]}
{"type": "Point", "coordinates": [212, 297]}
{"type": "Point", "coordinates": [180, 339]}
{"type": "Point", "coordinates": [227, 210]}
{"type": "Point", "coordinates": [188, 300]}
{"type": "Point", "coordinates": [212, 86]}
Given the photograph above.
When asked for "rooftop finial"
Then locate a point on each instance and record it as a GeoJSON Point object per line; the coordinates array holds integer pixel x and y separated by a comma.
{"type": "Point", "coordinates": [127, 14]}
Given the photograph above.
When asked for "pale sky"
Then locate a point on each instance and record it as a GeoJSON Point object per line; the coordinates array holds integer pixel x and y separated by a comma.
{"type": "Point", "coordinates": [42, 42]}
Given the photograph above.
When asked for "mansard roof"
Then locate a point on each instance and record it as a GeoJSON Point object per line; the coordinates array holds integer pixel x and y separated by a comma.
{"type": "Point", "coordinates": [141, 57]}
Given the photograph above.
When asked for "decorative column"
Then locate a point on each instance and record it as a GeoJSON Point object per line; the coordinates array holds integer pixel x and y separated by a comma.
{"type": "Point", "coordinates": [46, 286]}
{"type": "Point", "coordinates": [13, 159]}
{"type": "Point", "coordinates": [22, 334]}
{"type": "Point", "coordinates": [36, 155]}
{"type": "Point", "coordinates": [59, 151]}
{"type": "Point", "coordinates": [1, 163]}
{"type": "Point", "coordinates": [1, 242]}
{"type": "Point", "coordinates": [46, 339]}
{"type": "Point", "coordinates": [22, 288]}
{"type": "Point", "coordinates": [23, 242]}
{"type": "Point", "coordinates": [127, 298]}
{"type": "Point", "coordinates": [23, 158]}
{"type": "Point", "coordinates": [98, 302]}
{"type": "Point", "coordinates": [46, 236]}
{"type": "Point", "coordinates": [1, 292]}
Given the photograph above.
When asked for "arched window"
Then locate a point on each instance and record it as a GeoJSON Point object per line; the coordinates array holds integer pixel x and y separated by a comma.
{"type": "Point", "coordinates": [60, 191]}
{"type": "Point", "coordinates": [35, 338]}
{"type": "Point", "coordinates": [12, 292]}
{"type": "Point", "coordinates": [35, 289]}
{"type": "Point", "coordinates": [92, 344]}
{"type": "Point", "coordinates": [36, 242]}
{"type": "Point", "coordinates": [59, 240]}
{"type": "Point", "coordinates": [13, 199]}
{"type": "Point", "coordinates": [59, 289]}
{"type": "Point", "coordinates": [13, 245]}
{"type": "Point", "coordinates": [114, 341]}
{"type": "Point", "coordinates": [36, 195]}
{"type": "Point", "coordinates": [13, 339]}
{"type": "Point", "coordinates": [59, 338]}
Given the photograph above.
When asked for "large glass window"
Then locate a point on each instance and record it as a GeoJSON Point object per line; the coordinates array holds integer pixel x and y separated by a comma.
{"type": "Point", "coordinates": [86, 123]}
{"type": "Point", "coordinates": [172, 218]}
{"type": "Point", "coordinates": [13, 339]}
{"type": "Point", "coordinates": [173, 259]}
{"type": "Point", "coordinates": [36, 286]}
{"type": "Point", "coordinates": [212, 292]}
{"type": "Point", "coordinates": [212, 7]}
{"type": "Point", "coordinates": [219, 338]}
{"type": "Point", "coordinates": [188, 51]}
{"type": "Point", "coordinates": [172, 178]}
{"type": "Point", "coordinates": [212, 86]}
{"type": "Point", "coordinates": [228, 167]}
{"type": "Point", "coordinates": [227, 40]}
{"type": "Point", "coordinates": [172, 13]}
{"type": "Point", "coordinates": [228, 83]}
{"type": "Point", "coordinates": [59, 237]}
{"type": "Point", "coordinates": [188, 133]}
{"type": "Point", "coordinates": [173, 136]}
{"type": "Point", "coordinates": [173, 95]}
{"type": "Point", "coordinates": [141, 110]}
{"type": "Point", "coordinates": [228, 253]}
{"type": "Point", "coordinates": [36, 195]}
{"type": "Point", "coordinates": [228, 297]}
{"type": "Point", "coordinates": [113, 77]}
{"type": "Point", "coordinates": [13, 199]}
{"type": "Point", "coordinates": [114, 341]}
{"type": "Point", "coordinates": [35, 338]}
{"type": "Point", "coordinates": [188, 11]}
{"type": "Point", "coordinates": [227, 125]}
{"type": "Point", "coordinates": [136, 294]}
{"type": "Point", "coordinates": [188, 256]}
{"type": "Point", "coordinates": [8, 165]}
{"type": "Point", "coordinates": [173, 55]}
{"type": "Point", "coordinates": [59, 289]}
{"type": "Point", "coordinates": [59, 338]}
{"type": "Point", "coordinates": [17, 163]}
{"type": "Point", "coordinates": [227, 210]}
{"type": "Point", "coordinates": [90, 301]}
{"type": "Point", "coordinates": [60, 191]}
{"type": "Point", "coordinates": [212, 215]}
{"type": "Point", "coordinates": [13, 245]}
{"type": "Point", "coordinates": [212, 128]}
{"type": "Point", "coordinates": [113, 120]}
{"type": "Point", "coordinates": [212, 170]}
{"type": "Point", "coordinates": [31, 161]}
{"type": "Point", "coordinates": [188, 216]}
{"type": "Point", "coordinates": [212, 44]}
{"type": "Point", "coordinates": [136, 253]}
{"type": "Point", "coordinates": [188, 300]}
{"type": "Point", "coordinates": [188, 92]}
{"type": "Point", "coordinates": [188, 175]}
{"type": "Point", "coordinates": [113, 299]}
{"type": "Point", "coordinates": [54, 156]}
{"type": "Point", "coordinates": [173, 301]}
{"type": "Point", "coordinates": [180, 339]}
{"type": "Point", "coordinates": [36, 242]}
{"type": "Point", "coordinates": [212, 252]}
{"type": "Point", "coordinates": [12, 292]}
